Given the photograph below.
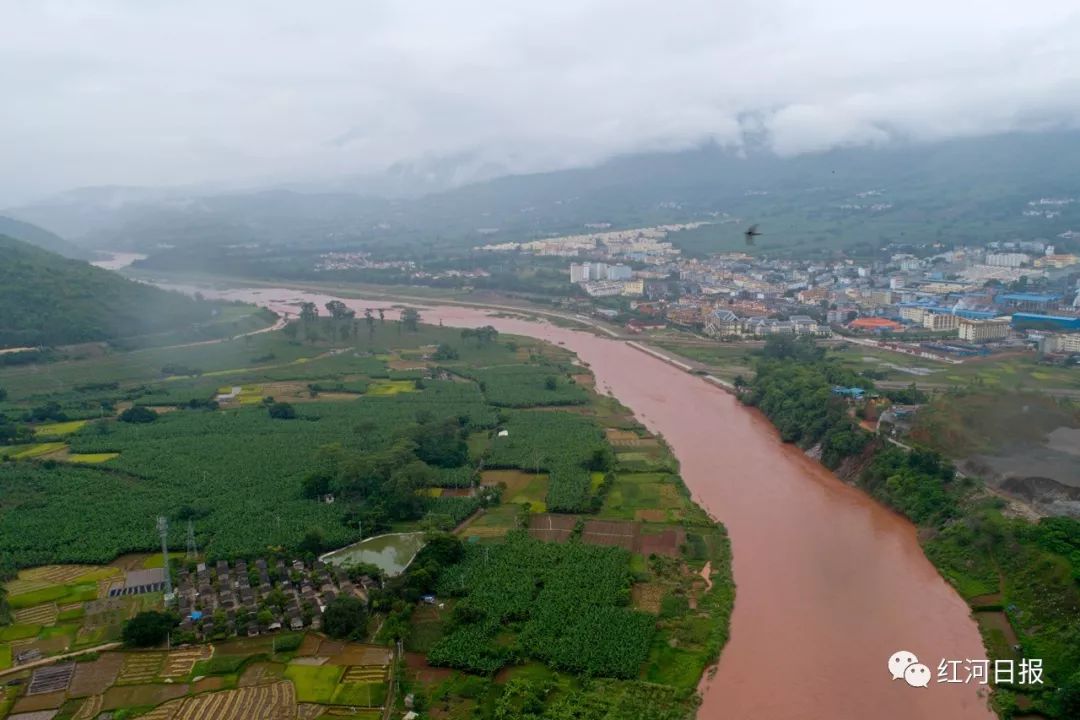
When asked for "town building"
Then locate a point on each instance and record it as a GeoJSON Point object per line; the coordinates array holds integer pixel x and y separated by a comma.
{"type": "Point", "coordinates": [602, 288]}
{"type": "Point", "coordinates": [1009, 260]}
{"type": "Point", "coordinates": [984, 330]}
{"type": "Point", "coordinates": [1028, 302]}
{"type": "Point", "coordinates": [1036, 321]}
{"type": "Point", "coordinates": [1060, 343]}
{"type": "Point", "coordinates": [840, 314]}
{"type": "Point", "coordinates": [913, 313]}
{"type": "Point", "coordinates": [1056, 261]}
{"type": "Point", "coordinates": [939, 321]}
{"type": "Point", "coordinates": [875, 324]}
{"type": "Point", "coordinates": [722, 323]}
{"type": "Point", "coordinates": [804, 325]}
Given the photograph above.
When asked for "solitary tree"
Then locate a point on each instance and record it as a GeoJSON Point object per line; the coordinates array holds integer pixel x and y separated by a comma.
{"type": "Point", "coordinates": [369, 318]}
{"type": "Point", "coordinates": [309, 316]}
{"type": "Point", "coordinates": [148, 628]}
{"type": "Point", "coordinates": [282, 411]}
{"type": "Point", "coordinates": [338, 310]}
{"type": "Point", "coordinates": [410, 319]}
{"type": "Point", "coordinates": [445, 352]}
{"type": "Point", "coordinates": [345, 617]}
{"type": "Point", "coordinates": [138, 414]}
{"type": "Point", "coordinates": [313, 542]}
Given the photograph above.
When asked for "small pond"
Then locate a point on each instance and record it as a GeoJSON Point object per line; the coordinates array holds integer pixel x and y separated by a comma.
{"type": "Point", "coordinates": [391, 553]}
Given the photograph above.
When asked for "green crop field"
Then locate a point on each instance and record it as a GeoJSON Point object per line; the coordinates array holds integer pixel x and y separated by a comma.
{"type": "Point", "coordinates": [215, 466]}
{"type": "Point", "coordinates": [561, 444]}
{"type": "Point", "coordinates": [314, 683]}
{"type": "Point", "coordinates": [578, 620]}
{"type": "Point", "coordinates": [527, 386]}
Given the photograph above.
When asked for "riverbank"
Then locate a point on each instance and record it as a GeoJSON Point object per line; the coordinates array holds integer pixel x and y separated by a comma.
{"type": "Point", "coordinates": [1018, 577]}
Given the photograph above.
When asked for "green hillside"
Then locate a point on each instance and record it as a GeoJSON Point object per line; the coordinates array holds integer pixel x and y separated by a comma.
{"type": "Point", "coordinates": [50, 300]}
{"type": "Point", "coordinates": [40, 237]}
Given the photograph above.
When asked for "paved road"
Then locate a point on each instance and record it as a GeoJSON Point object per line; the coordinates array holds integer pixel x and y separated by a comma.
{"type": "Point", "coordinates": [57, 658]}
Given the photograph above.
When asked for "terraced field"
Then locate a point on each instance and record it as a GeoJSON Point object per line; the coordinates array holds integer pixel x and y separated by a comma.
{"type": "Point", "coordinates": [268, 702]}
{"type": "Point", "coordinates": [140, 668]}
{"type": "Point", "coordinates": [180, 663]}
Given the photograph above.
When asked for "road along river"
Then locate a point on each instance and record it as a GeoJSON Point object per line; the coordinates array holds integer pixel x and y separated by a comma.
{"type": "Point", "coordinates": [830, 583]}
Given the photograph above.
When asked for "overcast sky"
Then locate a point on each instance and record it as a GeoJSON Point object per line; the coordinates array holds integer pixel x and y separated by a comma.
{"type": "Point", "coordinates": [151, 92]}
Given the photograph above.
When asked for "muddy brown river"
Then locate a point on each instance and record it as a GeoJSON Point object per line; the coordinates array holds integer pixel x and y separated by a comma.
{"type": "Point", "coordinates": [830, 583]}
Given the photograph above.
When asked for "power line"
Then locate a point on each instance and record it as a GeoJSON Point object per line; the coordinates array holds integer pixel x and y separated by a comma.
{"type": "Point", "coordinates": [192, 548]}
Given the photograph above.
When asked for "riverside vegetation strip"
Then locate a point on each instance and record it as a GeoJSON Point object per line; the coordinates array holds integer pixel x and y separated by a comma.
{"type": "Point", "coordinates": [472, 418]}
{"type": "Point", "coordinates": [1029, 571]}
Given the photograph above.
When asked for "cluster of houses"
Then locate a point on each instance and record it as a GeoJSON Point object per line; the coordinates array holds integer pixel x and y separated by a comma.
{"type": "Point", "coordinates": [265, 596]}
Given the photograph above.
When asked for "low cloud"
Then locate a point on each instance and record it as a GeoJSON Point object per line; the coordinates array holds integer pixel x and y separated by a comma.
{"type": "Point", "coordinates": [150, 93]}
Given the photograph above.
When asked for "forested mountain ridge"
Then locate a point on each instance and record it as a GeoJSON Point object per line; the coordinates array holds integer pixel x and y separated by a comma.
{"type": "Point", "coordinates": [963, 190]}
{"type": "Point", "coordinates": [46, 299]}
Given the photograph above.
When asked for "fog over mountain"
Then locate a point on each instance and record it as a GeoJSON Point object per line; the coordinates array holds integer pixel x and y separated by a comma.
{"type": "Point", "coordinates": [388, 98]}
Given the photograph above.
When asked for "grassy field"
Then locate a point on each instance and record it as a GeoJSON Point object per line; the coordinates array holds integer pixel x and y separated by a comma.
{"type": "Point", "coordinates": [725, 360]}
{"type": "Point", "coordinates": [314, 683]}
{"type": "Point", "coordinates": [63, 428]}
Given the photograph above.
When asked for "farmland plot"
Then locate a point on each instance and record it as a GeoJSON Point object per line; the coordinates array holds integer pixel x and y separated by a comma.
{"type": "Point", "coordinates": [571, 597]}
{"type": "Point", "coordinates": [267, 702]}
{"type": "Point", "coordinates": [560, 443]}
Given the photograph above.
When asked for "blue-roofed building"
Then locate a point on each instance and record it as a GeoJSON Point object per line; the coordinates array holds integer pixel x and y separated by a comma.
{"type": "Point", "coordinates": [1036, 321]}
{"type": "Point", "coordinates": [852, 392]}
{"type": "Point", "coordinates": [975, 314]}
{"type": "Point", "coordinates": [1032, 302]}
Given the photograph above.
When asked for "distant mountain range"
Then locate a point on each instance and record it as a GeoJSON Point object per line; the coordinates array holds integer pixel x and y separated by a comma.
{"type": "Point", "coordinates": [969, 190]}
{"type": "Point", "coordinates": [51, 300]}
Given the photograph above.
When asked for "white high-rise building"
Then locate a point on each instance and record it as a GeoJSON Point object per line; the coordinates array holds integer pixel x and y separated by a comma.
{"type": "Point", "coordinates": [1009, 260]}
{"type": "Point", "coordinates": [619, 272]}
{"type": "Point", "coordinates": [579, 273]}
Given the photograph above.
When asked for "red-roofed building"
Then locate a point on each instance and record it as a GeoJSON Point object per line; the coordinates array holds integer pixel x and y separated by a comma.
{"type": "Point", "coordinates": [875, 324]}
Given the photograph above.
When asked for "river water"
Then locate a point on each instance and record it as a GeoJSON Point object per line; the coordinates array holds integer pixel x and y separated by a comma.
{"type": "Point", "coordinates": [117, 260]}
{"type": "Point", "coordinates": [830, 583]}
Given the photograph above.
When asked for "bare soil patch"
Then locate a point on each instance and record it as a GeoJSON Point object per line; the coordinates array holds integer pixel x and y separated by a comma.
{"type": "Point", "coordinates": [92, 678]}
{"type": "Point", "coordinates": [142, 695]}
{"type": "Point", "coordinates": [362, 655]}
{"type": "Point", "coordinates": [647, 596]}
{"type": "Point", "coordinates": [422, 672]}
